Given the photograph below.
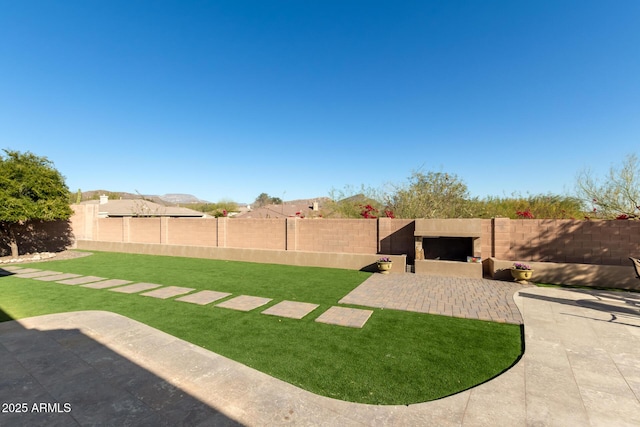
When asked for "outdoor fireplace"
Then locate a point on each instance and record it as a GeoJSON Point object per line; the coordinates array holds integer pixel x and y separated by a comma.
{"type": "Point", "coordinates": [448, 247]}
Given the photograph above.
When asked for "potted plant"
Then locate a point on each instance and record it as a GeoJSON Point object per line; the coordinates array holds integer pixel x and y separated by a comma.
{"type": "Point", "coordinates": [384, 265]}
{"type": "Point", "coordinates": [521, 272]}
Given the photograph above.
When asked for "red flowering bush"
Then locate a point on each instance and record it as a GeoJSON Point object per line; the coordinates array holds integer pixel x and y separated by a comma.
{"type": "Point", "coordinates": [368, 212]}
{"type": "Point", "coordinates": [524, 214]}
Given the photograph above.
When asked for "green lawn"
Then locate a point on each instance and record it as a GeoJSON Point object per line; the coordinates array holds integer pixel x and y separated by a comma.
{"type": "Point", "coordinates": [397, 358]}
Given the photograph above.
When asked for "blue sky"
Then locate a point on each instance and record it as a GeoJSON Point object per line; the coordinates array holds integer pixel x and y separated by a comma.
{"type": "Point", "coordinates": [230, 99]}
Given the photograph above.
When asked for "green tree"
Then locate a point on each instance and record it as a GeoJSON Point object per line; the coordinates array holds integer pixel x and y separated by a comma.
{"type": "Point", "coordinates": [542, 206]}
{"type": "Point", "coordinates": [264, 199]}
{"type": "Point", "coordinates": [615, 196]}
{"type": "Point", "coordinates": [31, 189]}
{"type": "Point", "coordinates": [431, 195]}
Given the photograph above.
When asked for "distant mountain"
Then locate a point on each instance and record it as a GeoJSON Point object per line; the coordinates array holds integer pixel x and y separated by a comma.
{"type": "Point", "coordinates": [167, 199]}
{"type": "Point", "coordinates": [181, 198]}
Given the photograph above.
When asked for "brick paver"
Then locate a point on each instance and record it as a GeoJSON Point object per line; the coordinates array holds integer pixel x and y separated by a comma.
{"type": "Point", "coordinates": [168, 292]}
{"type": "Point", "coordinates": [81, 280]}
{"type": "Point", "coordinates": [203, 297]}
{"type": "Point", "coordinates": [137, 287]}
{"type": "Point", "coordinates": [450, 296]}
{"type": "Point", "coordinates": [291, 309]}
{"type": "Point", "coordinates": [343, 316]}
{"type": "Point", "coordinates": [110, 283]}
{"type": "Point", "coordinates": [244, 303]}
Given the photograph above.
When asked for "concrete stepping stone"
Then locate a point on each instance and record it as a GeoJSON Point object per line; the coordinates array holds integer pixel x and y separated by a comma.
{"type": "Point", "coordinates": [137, 287]}
{"type": "Point", "coordinates": [244, 303]}
{"type": "Point", "coordinates": [291, 309]}
{"type": "Point", "coordinates": [168, 292]}
{"type": "Point", "coordinates": [81, 280]}
{"type": "Point", "coordinates": [111, 283]}
{"type": "Point", "coordinates": [57, 277]}
{"type": "Point", "coordinates": [343, 316]}
{"type": "Point", "coordinates": [12, 268]}
{"type": "Point", "coordinates": [34, 274]}
{"type": "Point", "coordinates": [21, 269]}
{"type": "Point", "coordinates": [204, 297]}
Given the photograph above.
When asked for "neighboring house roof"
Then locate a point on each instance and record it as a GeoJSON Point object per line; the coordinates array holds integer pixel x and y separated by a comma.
{"type": "Point", "coordinates": [140, 207]}
{"type": "Point", "coordinates": [296, 208]}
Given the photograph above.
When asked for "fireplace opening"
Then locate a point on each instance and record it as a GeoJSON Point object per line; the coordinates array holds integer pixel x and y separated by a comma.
{"type": "Point", "coordinates": [447, 248]}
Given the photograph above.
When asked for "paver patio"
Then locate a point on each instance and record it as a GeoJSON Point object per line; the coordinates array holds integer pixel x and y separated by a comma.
{"type": "Point", "coordinates": [450, 296]}
{"type": "Point", "coordinates": [291, 309]}
{"type": "Point", "coordinates": [203, 297]}
{"type": "Point", "coordinates": [244, 303]}
{"type": "Point", "coordinates": [343, 316]}
{"type": "Point", "coordinates": [168, 292]}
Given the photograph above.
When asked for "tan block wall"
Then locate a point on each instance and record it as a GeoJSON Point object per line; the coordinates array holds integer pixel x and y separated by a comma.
{"type": "Point", "coordinates": [365, 262]}
{"type": "Point", "coordinates": [606, 276]}
{"type": "Point", "coordinates": [258, 233]}
{"type": "Point", "coordinates": [143, 230]}
{"type": "Point", "coordinates": [337, 235]}
{"type": "Point", "coordinates": [396, 236]}
{"type": "Point", "coordinates": [83, 221]}
{"type": "Point", "coordinates": [559, 241]}
{"type": "Point", "coordinates": [572, 241]}
{"type": "Point", "coordinates": [110, 229]}
{"type": "Point", "coordinates": [191, 231]}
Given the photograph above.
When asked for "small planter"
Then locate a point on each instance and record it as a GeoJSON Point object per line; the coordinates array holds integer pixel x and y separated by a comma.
{"type": "Point", "coordinates": [384, 266]}
{"type": "Point", "coordinates": [521, 275]}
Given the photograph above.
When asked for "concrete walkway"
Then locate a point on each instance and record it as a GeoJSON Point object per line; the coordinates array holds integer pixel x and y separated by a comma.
{"type": "Point", "coordinates": [581, 368]}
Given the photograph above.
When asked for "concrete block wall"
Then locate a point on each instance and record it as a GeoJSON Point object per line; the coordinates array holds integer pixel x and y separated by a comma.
{"type": "Point", "coordinates": [337, 235]}
{"type": "Point", "coordinates": [143, 230]}
{"type": "Point", "coordinates": [607, 276]}
{"type": "Point", "coordinates": [572, 241]}
{"type": "Point", "coordinates": [396, 236]}
{"type": "Point", "coordinates": [258, 233]}
{"type": "Point", "coordinates": [110, 230]}
{"type": "Point", "coordinates": [186, 231]}
{"type": "Point", "coordinates": [83, 221]}
{"type": "Point", "coordinates": [364, 262]}
{"type": "Point", "coordinates": [560, 241]}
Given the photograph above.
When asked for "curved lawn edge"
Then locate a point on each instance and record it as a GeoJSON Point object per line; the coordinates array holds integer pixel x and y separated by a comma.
{"type": "Point", "coordinates": [397, 358]}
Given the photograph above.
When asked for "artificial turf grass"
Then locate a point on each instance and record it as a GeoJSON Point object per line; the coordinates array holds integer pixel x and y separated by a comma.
{"type": "Point", "coordinates": [306, 284]}
{"type": "Point", "coordinates": [397, 358]}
